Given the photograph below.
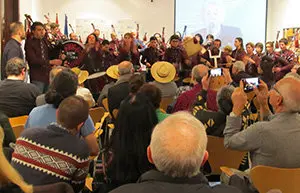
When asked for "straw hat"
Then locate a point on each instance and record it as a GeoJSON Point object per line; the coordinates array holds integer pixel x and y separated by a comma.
{"type": "Point", "coordinates": [113, 72]}
{"type": "Point", "coordinates": [82, 74]}
{"type": "Point", "coordinates": [163, 72]}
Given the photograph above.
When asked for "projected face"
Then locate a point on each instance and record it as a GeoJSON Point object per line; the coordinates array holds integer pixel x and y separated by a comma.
{"type": "Point", "coordinates": [213, 15]}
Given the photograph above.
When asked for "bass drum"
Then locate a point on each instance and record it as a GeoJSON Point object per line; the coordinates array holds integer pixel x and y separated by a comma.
{"type": "Point", "coordinates": [73, 51]}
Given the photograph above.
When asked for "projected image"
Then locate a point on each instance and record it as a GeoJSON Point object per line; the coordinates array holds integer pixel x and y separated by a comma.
{"type": "Point", "coordinates": [225, 19]}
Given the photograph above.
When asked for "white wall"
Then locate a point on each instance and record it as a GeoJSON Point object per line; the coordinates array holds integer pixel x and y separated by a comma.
{"type": "Point", "coordinates": [151, 16]}
{"type": "Point", "coordinates": [282, 14]}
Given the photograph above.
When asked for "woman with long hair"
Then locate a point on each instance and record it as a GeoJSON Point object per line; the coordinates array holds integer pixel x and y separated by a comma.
{"type": "Point", "coordinates": [128, 50]}
{"type": "Point", "coordinates": [130, 139]}
{"type": "Point", "coordinates": [239, 52]}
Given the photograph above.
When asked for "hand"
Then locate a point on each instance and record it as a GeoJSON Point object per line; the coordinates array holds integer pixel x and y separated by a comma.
{"type": "Point", "coordinates": [148, 65]}
{"type": "Point", "coordinates": [55, 62]}
{"type": "Point", "coordinates": [276, 69]}
{"type": "Point", "coordinates": [205, 82]}
{"type": "Point", "coordinates": [227, 76]}
{"type": "Point", "coordinates": [262, 94]}
{"type": "Point", "coordinates": [239, 99]}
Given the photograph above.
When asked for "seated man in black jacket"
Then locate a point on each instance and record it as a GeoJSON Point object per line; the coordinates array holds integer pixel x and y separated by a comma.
{"type": "Point", "coordinates": [177, 149]}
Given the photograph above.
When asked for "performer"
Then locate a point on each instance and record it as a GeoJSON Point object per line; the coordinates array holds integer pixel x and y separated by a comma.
{"type": "Point", "coordinates": [13, 47]}
{"type": "Point", "coordinates": [252, 60]}
{"type": "Point", "coordinates": [285, 61]}
{"type": "Point", "coordinates": [37, 50]}
{"type": "Point", "coordinates": [73, 37]}
{"type": "Point", "coordinates": [151, 54]}
{"type": "Point", "coordinates": [270, 51]}
{"type": "Point", "coordinates": [107, 58]}
{"type": "Point", "coordinates": [177, 56]}
{"type": "Point", "coordinates": [114, 44]}
{"type": "Point", "coordinates": [128, 51]}
{"type": "Point", "coordinates": [259, 47]}
{"type": "Point", "coordinates": [239, 52]}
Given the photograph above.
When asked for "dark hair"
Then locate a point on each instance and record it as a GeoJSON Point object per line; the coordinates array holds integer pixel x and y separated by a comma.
{"type": "Point", "coordinates": [92, 34]}
{"type": "Point", "coordinates": [284, 40]}
{"type": "Point", "coordinates": [35, 24]}
{"type": "Point", "coordinates": [153, 93]}
{"type": "Point", "coordinates": [63, 85]}
{"type": "Point", "coordinates": [174, 37]}
{"type": "Point", "coordinates": [250, 44]}
{"type": "Point", "coordinates": [105, 42]}
{"type": "Point", "coordinates": [130, 139]}
{"type": "Point", "coordinates": [14, 66]}
{"type": "Point", "coordinates": [72, 111]}
{"type": "Point", "coordinates": [271, 44]}
{"type": "Point", "coordinates": [241, 41]}
{"type": "Point", "coordinates": [153, 38]}
{"type": "Point", "coordinates": [200, 37]}
{"type": "Point", "coordinates": [218, 40]}
{"type": "Point", "coordinates": [260, 45]}
{"type": "Point", "coordinates": [210, 36]}
{"type": "Point", "coordinates": [266, 66]}
{"type": "Point", "coordinates": [135, 83]}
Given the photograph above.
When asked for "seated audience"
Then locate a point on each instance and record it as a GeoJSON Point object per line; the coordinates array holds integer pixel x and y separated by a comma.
{"type": "Point", "coordinates": [130, 138]}
{"type": "Point", "coordinates": [63, 85]}
{"type": "Point", "coordinates": [186, 99]}
{"type": "Point", "coordinates": [121, 89]}
{"type": "Point", "coordinates": [215, 122]}
{"type": "Point", "coordinates": [55, 154]}
{"type": "Point", "coordinates": [177, 149]}
{"type": "Point", "coordinates": [40, 100]}
{"type": "Point", "coordinates": [164, 74]}
{"type": "Point", "coordinates": [272, 142]}
{"type": "Point", "coordinates": [154, 95]}
{"type": "Point", "coordinates": [81, 90]}
{"type": "Point", "coordinates": [136, 81]}
{"type": "Point", "coordinates": [266, 71]}
{"type": "Point", "coordinates": [112, 75]}
{"type": "Point", "coordinates": [17, 98]}
{"type": "Point", "coordinates": [238, 72]}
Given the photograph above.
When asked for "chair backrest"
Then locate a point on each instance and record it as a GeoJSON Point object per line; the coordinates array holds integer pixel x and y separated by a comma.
{"type": "Point", "coordinates": [96, 114]}
{"type": "Point", "coordinates": [21, 120]}
{"type": "Point", "coordinates": [165, 102]}
{"type": "Point", "coordinates": [220, 156]}
{"type": "Point", "coordinates": [18, 129]}
{"type": "Point", "coordinates": [266, 178]}
{"type": "Point", "coordinates": [105, 104]}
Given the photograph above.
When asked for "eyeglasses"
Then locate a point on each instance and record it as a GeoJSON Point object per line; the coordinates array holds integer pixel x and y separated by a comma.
{"type": "Point", "coordinates": [273, 88]}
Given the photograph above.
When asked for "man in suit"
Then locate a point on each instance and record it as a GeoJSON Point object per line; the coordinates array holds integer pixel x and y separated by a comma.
{"type": "Point", "coordinates": [120, 90]}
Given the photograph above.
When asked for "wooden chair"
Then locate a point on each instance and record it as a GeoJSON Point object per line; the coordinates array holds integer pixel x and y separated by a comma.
{"type": "Point", "coordinates": [219, 156]}
{"type": "Point", "coordinates": [21, 120]}
{"type": "Point", "coordinates": [105, 104]}
{"type": "Point", "coordinates": [96, 114]}
{"type": "Point", "coordinates": [266, 178]}
{"type": "Point", "coordinates": [165, 102]}
{"type": "Point", "coordinates": [18, 129]}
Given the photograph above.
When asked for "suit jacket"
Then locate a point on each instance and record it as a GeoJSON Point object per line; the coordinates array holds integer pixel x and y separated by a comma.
{"type": "Point", "coordinates": [116, 95]}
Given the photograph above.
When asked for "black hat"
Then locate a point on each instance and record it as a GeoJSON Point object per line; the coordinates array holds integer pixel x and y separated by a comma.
{"type": "Point", "coordinates": [174, 37]}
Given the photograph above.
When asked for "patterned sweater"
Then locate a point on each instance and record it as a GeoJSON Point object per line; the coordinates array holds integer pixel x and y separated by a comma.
{"type": "Point", "coordinates": [50, 155]}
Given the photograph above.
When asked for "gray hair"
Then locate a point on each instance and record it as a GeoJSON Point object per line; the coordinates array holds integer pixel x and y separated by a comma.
{"type": "Point", "coordinates": [178, 145]}
{"type": "Point", "coordinates": [15, 66]}
{"type": "Point", "coordinates": [239, 65]}
{"type": "Point", "coordinates": [292, 75]}
{"type": "Point", "coordinates": [224, 98]}
{"type": "Point", "coordinates": [199, 71]}
{"type": "Point", "coordinates": [125, 67]}
{"type": "Point", "coordinates": [15, 27]}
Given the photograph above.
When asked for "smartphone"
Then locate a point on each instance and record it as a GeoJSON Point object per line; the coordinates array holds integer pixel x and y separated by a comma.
{"type": "Point", "coordinates": [250, 83]}
{"type": "Point", "coordinates": [215, 72]}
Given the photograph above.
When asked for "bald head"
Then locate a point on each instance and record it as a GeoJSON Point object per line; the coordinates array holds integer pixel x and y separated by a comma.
{"type": "Point", "coordinates": [289, 89]}
{"type": "Point", "coordinates": [125, 67]}
{"type": "Point", "coordinates": [178, 145]}
{"type": "Point", "coordinates": [198, 72]}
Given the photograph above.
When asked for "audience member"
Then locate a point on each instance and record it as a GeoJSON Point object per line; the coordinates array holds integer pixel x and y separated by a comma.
{"type": "Point", "coordinates": [64, 85]}
{"type": "Point", "coordinates": [130, 138]}
{"type": "Point", "coordinates": [121, 89]}
{"type": "Point", "coordinates": [40, 100]}
{"type": "Point", "coordinates": [81, 90]}
{"type": "Point", "coordinates": [238, 72]}
{"type": "Point", "coordinates": [136, 81]}
{"type": "Point", "coordinates": [272, 142]}
{"type": "Point", "coordinates": [164, 74]}
{"type": "Point", "coordinates": [154, 95]}
{"type": "Point", "coordinates": [13, 48]}
{"type": "Point", "coordinates": [17, 97]}
{"type": "Point", "coordinates": [266, 71]}
{"type": "Point", "coordinates": [55, 154]}
{"type": "Point", "coordinates": [177, 149]}
{"type": "Point", "coordinates": [186, 99]}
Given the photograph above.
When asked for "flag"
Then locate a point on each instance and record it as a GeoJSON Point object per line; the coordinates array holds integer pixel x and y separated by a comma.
{"type": "Point", "coordinates": [66, 32]}
{"type": "Point", "coordinates": [56, 21]}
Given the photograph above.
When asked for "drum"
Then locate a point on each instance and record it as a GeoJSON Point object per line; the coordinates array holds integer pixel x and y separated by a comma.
{"type": "Point", "coordinates": [72, 50]}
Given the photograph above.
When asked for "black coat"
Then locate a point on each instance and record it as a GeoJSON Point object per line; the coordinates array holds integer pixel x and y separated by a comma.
{"type": "Point", "coordinates": [116, 95]}
{"type": "Point", "coordinates": [156, 182]}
